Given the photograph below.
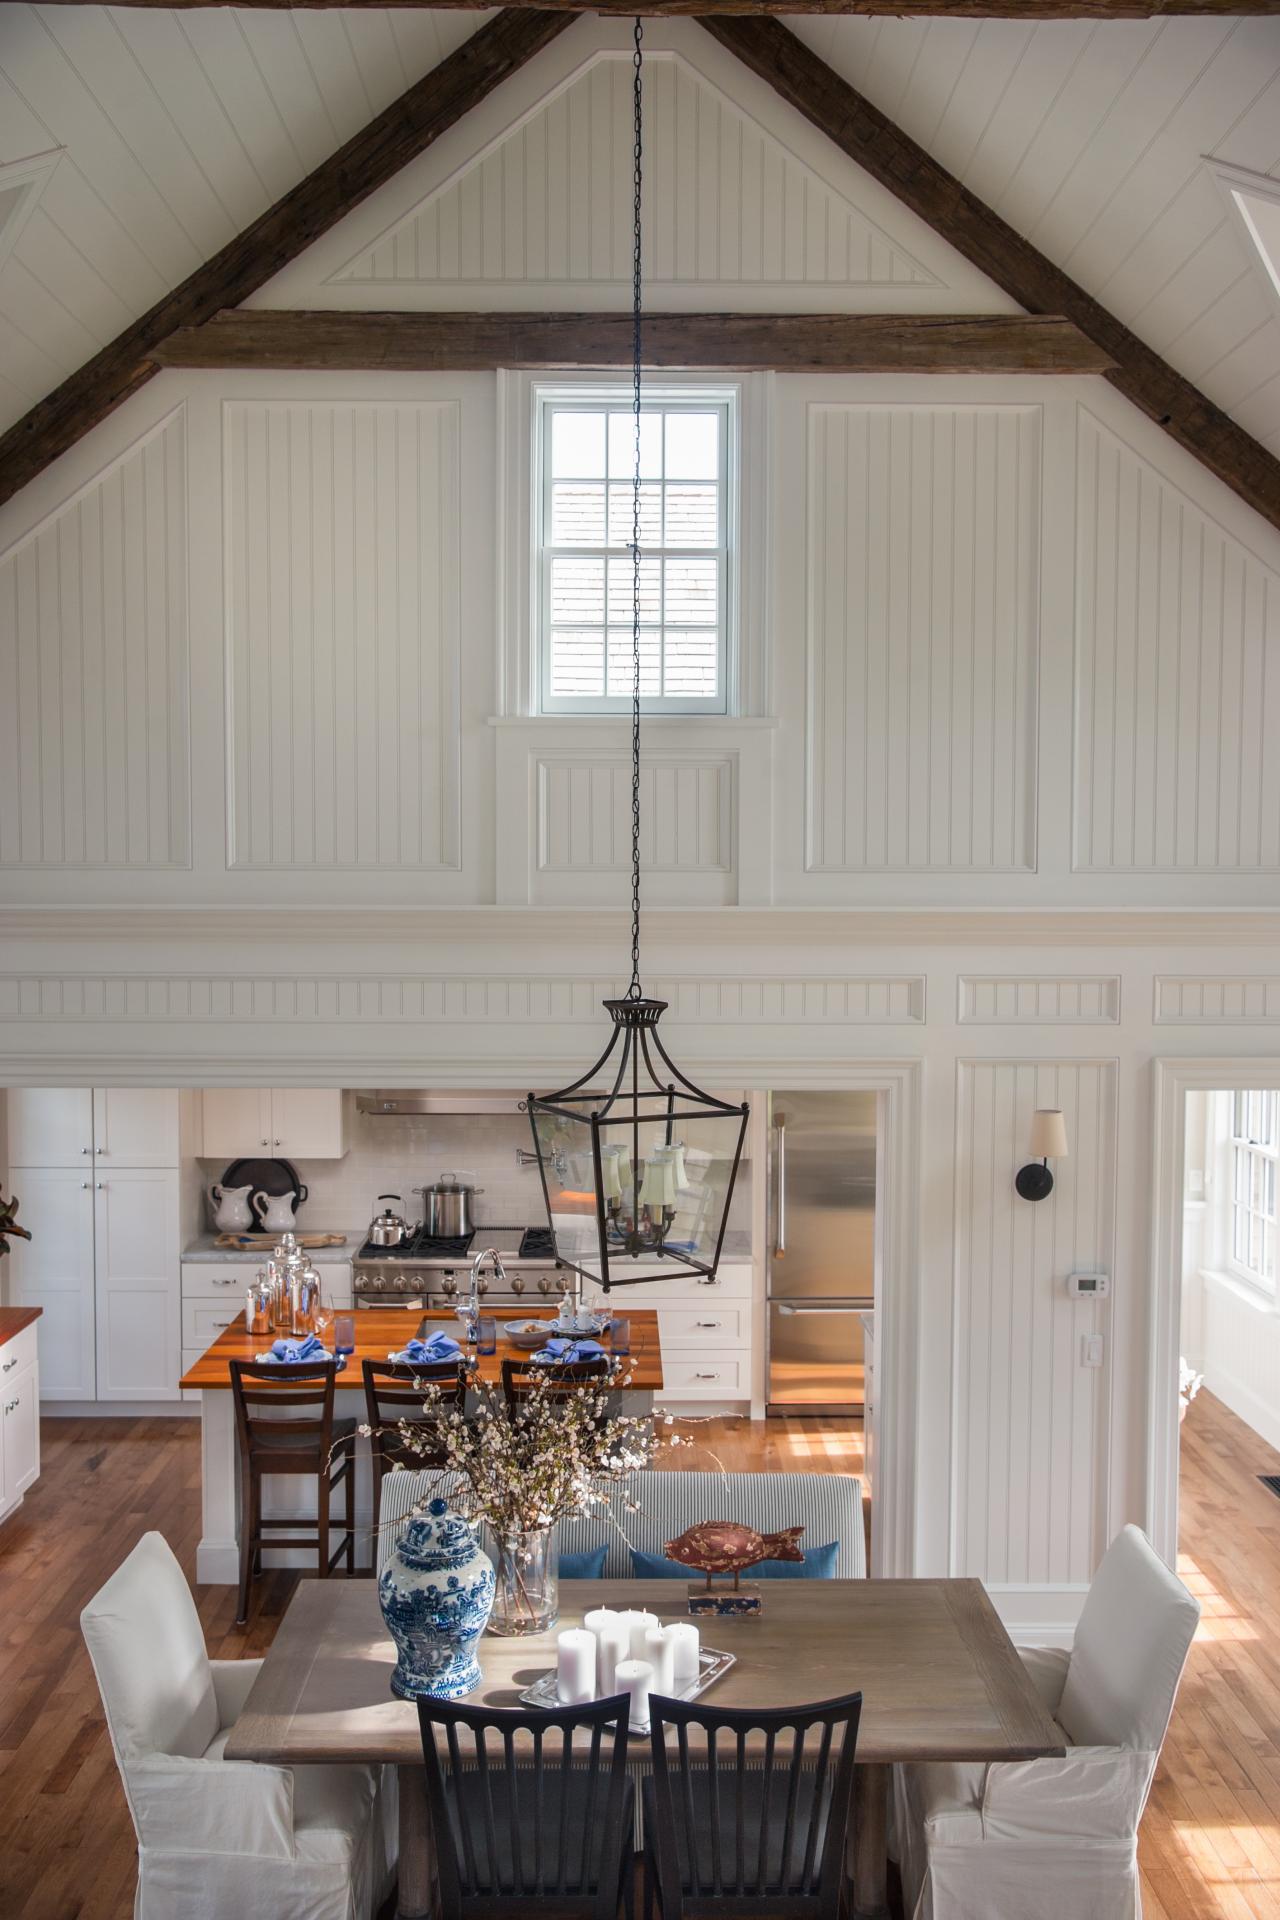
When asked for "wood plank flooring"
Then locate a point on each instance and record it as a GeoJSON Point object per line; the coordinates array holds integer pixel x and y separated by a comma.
{"type": "Point", "coordinates": [1210, 1845]}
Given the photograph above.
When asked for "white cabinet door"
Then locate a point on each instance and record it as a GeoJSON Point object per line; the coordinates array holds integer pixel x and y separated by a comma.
{"type": "Point", "coordinates": [139, 1287]}
{"type": "Point", "coordinates": [237, 1122]}
{"type": "Point", "coordinates": [307, 1123]}
{"type": "Point", "coordinates": [54, 1271]}
{"type": "Point", "coordinates": [135, 1126]}
{"type": "Point", "coordinates": [51, 1127]}
{"type": "Point", "coordinates": [20, 1413]}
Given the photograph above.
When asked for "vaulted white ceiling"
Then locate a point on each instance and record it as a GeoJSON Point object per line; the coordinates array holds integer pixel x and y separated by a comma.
{"type": "Point", "coordinates": [178, 128]}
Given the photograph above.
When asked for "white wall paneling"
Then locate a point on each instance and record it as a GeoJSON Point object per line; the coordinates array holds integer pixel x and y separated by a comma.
{"type": "Point", "coordinates": [342, 565]}
{"type": "Point", "coordinates": [1030, 1419]}
{"type": "Point", "coordinates": [687, 819]}
{"type": "Point", "coordinates": [1065, 1000]}
{"type": "Point", "coordinates": [923, 616]}
{"type": "Point", "coordinates": [1178, 697]}
{"type": "Point", "coordinates": [1222, 1000]}
{"type": "Point", "coordinates": [93, 658]}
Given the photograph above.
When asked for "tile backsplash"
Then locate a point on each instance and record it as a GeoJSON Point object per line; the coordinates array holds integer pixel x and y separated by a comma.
{"type": "Point", "coordinates": [395, 1155]}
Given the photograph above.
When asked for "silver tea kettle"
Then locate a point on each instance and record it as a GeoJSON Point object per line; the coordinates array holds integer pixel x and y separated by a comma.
{"type": "Point", "coordinates": [388, 1229]}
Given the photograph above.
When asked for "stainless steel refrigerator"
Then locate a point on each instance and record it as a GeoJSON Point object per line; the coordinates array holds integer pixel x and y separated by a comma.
{"type": "Point", "coordinates": [822, 1233]}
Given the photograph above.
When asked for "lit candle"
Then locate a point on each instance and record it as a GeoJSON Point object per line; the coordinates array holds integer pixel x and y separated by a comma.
{"type": "Point", "coordinates": [685, 1644]}
{"type": "Point", "coordinates": [638, 1625]}
{"type": "Point", "coordinates": [660, 1652]}
{"type": "Point", "coordinates": [575, 1667]}
{"type": "Point", "coordinates": [635, 1677]}
{"type": "Point", "coordinates": [613, 1643]}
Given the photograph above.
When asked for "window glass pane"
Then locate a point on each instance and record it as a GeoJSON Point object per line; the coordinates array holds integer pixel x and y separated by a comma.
{"type": "Point", "coordinates": [1255, 1115]}
{"type": "Point", "coordinates": [1258, 1171]}
{"type": "Point", "coordinates": [1241, 1188]}
{"type": "Point", "coordinates": [621, 587]}
{"type": "Point", "coordinates": [577, 664]}
{"type": "Point", "coordinates": [620, 523]}
{"type": "Point", "coordinates": [1237, 1114]}
{"type": "Point", "coordinates": [691, 664]}
{"type": "Point", "coordinates": [577, 516]}
{"type": "Point", "coordinates": [1239, 1235]}
{"type": "Point", "coordinates": [622, 446]}
{"type": "Point", "coordinates": [692, 591]}
{"type": "Point", "coordinates": [577, 445]}
{"type": "Point", "coordinates": [693, 446]}
{"type": "Point", "coordinates": [621, 662]}
{"type": "Point", "coordinates": [693, 517]}
{"type": "Point", "coordinates": [577, 591]}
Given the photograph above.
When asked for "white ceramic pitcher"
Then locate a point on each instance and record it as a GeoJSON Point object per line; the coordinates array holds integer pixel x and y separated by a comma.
{"type": "Point", "coordinates": [275, 1211]}
{"type": "Point", "coordinates": [232, 1212]}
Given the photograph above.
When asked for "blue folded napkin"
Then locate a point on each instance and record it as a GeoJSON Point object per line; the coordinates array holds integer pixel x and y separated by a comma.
{"type": "Point", "coordinates": [290, 1353]}
{"type": "Point", "coordinates": [430, 1352]}
{"type": "Point", "coordinates": [568, 1353]}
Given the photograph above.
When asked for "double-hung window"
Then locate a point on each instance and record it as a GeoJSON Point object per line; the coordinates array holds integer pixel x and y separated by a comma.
{"type": "Point", "coordinates": [1255, 1149]}
{"type": "Point", "coordinates": [584, 466]}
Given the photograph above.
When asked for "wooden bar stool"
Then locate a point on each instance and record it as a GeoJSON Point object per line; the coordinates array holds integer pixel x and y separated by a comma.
{"type": "Point", "coordinates": [394, 1391]}
{"type": "Point", "coordinates": [285, 1425]}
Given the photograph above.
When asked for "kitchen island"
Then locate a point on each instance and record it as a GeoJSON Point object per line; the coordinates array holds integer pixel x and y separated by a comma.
{"type": "Point", "coordinates": [379, 1332]}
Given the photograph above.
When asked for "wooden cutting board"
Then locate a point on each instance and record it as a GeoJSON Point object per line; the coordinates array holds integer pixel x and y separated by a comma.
{"type": "Point", "coordinates": [247, 1242]}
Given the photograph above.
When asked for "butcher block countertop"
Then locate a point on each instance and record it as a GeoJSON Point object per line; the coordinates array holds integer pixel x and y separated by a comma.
{"type": "Point", "coordinates": [380, 1330]}
{"type": "Point", "coordinates": [14, 1319]}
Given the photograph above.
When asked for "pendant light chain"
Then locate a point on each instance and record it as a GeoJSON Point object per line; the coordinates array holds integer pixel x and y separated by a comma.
{"type": "Point", "coordinates": [634, 991]}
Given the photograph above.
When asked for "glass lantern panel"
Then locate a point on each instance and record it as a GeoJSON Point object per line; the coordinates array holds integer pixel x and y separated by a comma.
{"type": "Point", "coordinates": [564, 1148]}
{"type": "Point", "coordinates": [670, 1210]}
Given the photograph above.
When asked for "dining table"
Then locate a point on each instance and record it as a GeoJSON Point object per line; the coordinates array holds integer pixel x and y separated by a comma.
{"type": "Point", "coordinates": [939, 1676]}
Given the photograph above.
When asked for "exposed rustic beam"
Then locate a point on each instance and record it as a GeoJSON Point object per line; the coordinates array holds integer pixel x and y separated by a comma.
{"type": "Point", "coordinates": [905, 9]}
{"type": "Point", "coordinates": [799, 343]}
{"type": "Point", "coordinates": [369, 158]}
{"type": "Point", "coordinates": [977, 231]}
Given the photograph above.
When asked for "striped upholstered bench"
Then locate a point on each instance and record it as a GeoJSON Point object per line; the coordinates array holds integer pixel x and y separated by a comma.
{"type": "Point", "coordinates": [827, 1505]}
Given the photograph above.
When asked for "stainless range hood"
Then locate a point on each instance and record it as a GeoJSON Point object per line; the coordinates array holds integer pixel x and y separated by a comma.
{"type": "Point", "coordinates": [393, 1102]}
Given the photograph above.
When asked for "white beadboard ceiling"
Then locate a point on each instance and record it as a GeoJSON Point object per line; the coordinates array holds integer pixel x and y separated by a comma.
{"type": "Point", "coordinates": [178, 128]}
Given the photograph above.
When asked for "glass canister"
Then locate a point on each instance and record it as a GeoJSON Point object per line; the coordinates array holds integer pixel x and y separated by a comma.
{"type": "Point", "coordinates": [257, 1312]}
{"type": "Point", "coordinates": [304, 1294]}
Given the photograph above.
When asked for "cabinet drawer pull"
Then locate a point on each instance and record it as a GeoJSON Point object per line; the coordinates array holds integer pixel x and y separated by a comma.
{"type": "Point", "coordinates": [708, 1324]}
{"type": "Point", "coordinates": [9, 1365]}
{"type": "Point", "coordinates": [710, 1280]}
{"type": "Point", "coordinates": [9, 1405]}
{"type": "Point", "coordinates": [222, 1323]}
{"type": "Point", "coordinates": [706, 1376]}
{"type": "Point", "coordinates": [225, 1283]}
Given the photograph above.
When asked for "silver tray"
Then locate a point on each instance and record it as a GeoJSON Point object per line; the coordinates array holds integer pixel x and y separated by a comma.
{"type": "Point", "coordinates": [712, 1666]}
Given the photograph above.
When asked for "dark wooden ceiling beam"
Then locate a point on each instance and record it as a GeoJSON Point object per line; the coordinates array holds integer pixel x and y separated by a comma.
{"type": "Point", "coordinates": [868, 137]}
{"type": "Point", "coordinates": [904, 9]}
{"type": "Point", "coordinates": [742, 342]}
{"type": "Point", "coordinates": [369, 159]}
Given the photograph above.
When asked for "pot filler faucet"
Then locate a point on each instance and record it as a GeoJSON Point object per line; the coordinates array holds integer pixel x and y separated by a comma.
{"type": "Point", "coordinates": [470, 1313]}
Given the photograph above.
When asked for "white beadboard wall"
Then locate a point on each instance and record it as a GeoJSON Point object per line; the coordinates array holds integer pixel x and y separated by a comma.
{"type": "Point", "coordinates": [343, 634]}
{"type": "Point", "coordinates": [1178, 688]}
{"type": "Point", "coordinates": [93, 658]}
{"type": "Point", "coordinates": [923, 593]}
{"type": "Point", "coordinates": [686, 822]}
{"type": "Point", "coordinates": [550, 200]}
{"type": "Point", "coordinates": [1030, 1420]}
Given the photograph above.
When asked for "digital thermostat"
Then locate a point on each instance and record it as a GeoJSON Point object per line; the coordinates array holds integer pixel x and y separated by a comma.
{"type": "Point", "coordinates": [1089, 1286]}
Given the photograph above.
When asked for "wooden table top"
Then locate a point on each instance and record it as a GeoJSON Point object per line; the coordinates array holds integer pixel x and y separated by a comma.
{"type": "Point", "coordinates": [939, 1675]}
{"type": "Point", "coordinates": [383, 1330]}
{"type": "Point", "coordinates": [15, 1320]}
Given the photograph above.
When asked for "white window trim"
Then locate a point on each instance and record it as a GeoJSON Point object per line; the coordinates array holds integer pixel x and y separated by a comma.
{"type": "Point", "coordinates": [1221, 1200]}
{"type": "Point", "coordinates": [748, 667]}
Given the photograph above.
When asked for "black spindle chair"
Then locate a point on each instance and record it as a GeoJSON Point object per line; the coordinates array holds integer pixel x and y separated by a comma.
{"type": "Point", "coordinates": [733, 1828]}
{"type": "Point", "coordinates": [394, 1391]}
{"type": "Point", "coordinates": [526, 1820]}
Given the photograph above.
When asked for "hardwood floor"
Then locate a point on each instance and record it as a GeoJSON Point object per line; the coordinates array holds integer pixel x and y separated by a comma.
{"type": "Point", "coordinates": [1211, 1841]}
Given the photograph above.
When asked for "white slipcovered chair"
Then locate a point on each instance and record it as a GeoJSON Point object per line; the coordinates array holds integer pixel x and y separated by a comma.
{"type": "Point", "coordinates": [1058, 1839]}
{"type": "Point", "coordinates": [222, 1839]}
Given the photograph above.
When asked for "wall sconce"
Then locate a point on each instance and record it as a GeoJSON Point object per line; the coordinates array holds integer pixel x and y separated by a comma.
{"type": "Point", "coordinates": [1049, 1142]}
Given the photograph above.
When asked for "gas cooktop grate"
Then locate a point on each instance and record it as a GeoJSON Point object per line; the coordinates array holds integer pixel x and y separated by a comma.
{"type": "Point", "coordinates": [538, 1243]}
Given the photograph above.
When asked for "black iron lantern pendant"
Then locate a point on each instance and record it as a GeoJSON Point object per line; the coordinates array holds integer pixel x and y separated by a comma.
{"type": "Point", "coordinates": [638, 1164]}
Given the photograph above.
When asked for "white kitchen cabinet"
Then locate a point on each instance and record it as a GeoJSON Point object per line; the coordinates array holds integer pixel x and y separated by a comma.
{"type": "Point", "coordinates": [50, 1127]}
{"type": "Point", "coordinates": [80, 1126]}
{"type": "Point", "coordinates": [139, 1335]}
{"type": "Point", "coordinates": [20, 1441]}
{"type": "Point", "coordinates": [300, 1123]}
{"type": "Point", "coordinates": [55, 1271]}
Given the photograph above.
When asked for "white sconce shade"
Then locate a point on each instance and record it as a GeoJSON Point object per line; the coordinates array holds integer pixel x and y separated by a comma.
{"type": "Point", "coordinates": [1049, 1134]}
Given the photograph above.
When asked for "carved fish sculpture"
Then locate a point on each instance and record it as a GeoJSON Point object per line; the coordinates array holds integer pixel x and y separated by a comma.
{"type": "Point", "coordinates": [9, 1222]}
{"type": "Point", "coordinates": [720, 1546]}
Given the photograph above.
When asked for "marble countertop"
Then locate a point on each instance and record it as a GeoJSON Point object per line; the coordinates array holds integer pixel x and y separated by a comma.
{"type": "Point", "coordinates": [202, 1248]}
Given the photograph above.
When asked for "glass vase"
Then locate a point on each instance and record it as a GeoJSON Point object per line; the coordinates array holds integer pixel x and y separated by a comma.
{"type": "Point", "coordinates": [527, 1599]}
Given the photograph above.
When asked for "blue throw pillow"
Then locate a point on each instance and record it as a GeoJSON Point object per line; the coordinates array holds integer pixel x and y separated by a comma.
{"type": "Point", "coordinates": [819, 1563]}
{"type": "Point", "coordinates": [584, 1566]}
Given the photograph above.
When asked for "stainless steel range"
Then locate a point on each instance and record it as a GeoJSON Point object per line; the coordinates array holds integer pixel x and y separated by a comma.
{"type": "Point", "coordinates": [427, 1271]}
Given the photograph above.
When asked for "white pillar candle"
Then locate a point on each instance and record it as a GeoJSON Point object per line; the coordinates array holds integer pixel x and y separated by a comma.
{"type": "Point", "coordinates": [613, 1643]}
{"type": "Point", "coordinates": [600, 1617]}
{"type": "Point", "coordinates": [686, 1646]}
{"type": "Point", "coordinates": [660, 1652]}
{"type": "Point", "coordinates": [638, 1624]}
{"type": "Point", "coordinates": [635, 1677]}
{"type": "Point", "coordinates": [575, 1667]}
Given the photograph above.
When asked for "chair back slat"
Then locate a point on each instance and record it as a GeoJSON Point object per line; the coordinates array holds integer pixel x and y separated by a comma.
{"type": "Point", "coordinates": [491, 1803]}
{"type": "Point", "coordinates": [394, 1390]}
{"type": "Point", "coordinates": [743, 1824]}
{"type": "Point", "coordinates": [299, 1396]}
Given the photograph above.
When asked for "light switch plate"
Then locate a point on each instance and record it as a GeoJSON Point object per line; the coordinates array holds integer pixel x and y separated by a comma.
{"type": "Point", "coordinates": [1091, 1350]}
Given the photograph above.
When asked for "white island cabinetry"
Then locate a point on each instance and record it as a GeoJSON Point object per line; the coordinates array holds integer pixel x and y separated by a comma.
{"type": "Point", "coordinates": [19, 1409]}
{"type": "Point", "coordinates": [706, 1327]}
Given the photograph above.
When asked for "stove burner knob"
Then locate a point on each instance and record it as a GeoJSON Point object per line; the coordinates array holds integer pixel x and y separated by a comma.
{"type": "Point", "coordinates": [544, 1285]}
{"type": "Point", "coordinates": [482, 1284]}
{"type": "Point", "coordinates": [517, 1284]}
{"type": "Point", "coordinates": [450, 1283]}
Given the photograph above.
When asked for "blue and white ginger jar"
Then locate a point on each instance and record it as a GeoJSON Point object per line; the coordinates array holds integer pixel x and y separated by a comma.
{"type": "Point", "coordinates": [436, 1593]}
